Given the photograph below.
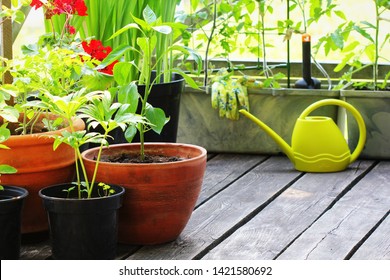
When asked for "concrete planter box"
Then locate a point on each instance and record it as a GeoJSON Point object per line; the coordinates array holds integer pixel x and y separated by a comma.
{"type": "Point", "coordinates": [374, 107]}
{"type": "Point", "coordinates": [200, 124]}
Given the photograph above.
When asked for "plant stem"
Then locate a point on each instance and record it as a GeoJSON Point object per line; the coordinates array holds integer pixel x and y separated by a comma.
{"type": "Point", "coordinates": [210, 38]}
{"type": "Point", "coordinates": [375, 65]}
{"type": "Point", "coordinates": [99, 155]}
{"type": "Point", "coordinates": [288, 47]}
{"type": "Point", "coordinates": [147, 76]}
{"type": "Point", "coordinates": [262, 28]}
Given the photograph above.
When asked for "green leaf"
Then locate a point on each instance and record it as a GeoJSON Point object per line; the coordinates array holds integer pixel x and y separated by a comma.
{"type": "Point", "coordinates": [189, 80]}
{"type": "Point", "coordinates": [129, 95]}
{"type": "Point", "coordinates": [362, 32]}
{"type": "Point", "coordinates": [7, 169]}
{"type": "Point", "coordinates": [340, 14]}
{"type": "Point", "coordinates": [344, 62]}
{"type": "Point", "coordinates": [130, 133]}
{"type": "Point", "coordinates": [370, 51]}
{"type": "Point", "coordinates": [156, 118]}
{"type": "Point", "coordinates": [2, 146]}
{"type": "Point", "coordinates": [122, 72]}
{"type": "Point", "coordinates": [337, 39]}
{"type": "Point", "coordinates": [124, 29]}
{"type": "Point", "coordinates": [115, 55]}
{"type": "Point", "coordinates": [149, 16]}
{"type": "Point", "coordinates": [351, 46]}
{"type": "Point", "coordinates": [163, 29]}
{"type": "Point", "coordinates": [10, 114]}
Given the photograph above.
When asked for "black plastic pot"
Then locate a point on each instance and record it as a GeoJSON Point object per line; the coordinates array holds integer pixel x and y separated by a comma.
{"type": "Point", "coordinates": [82, 228]}
{"type": "Point", "coordinates": [165, 96]}
{"type": "Point", "coordinates": [11, 203]}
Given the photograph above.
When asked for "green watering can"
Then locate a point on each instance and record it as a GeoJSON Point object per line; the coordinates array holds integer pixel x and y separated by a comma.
{"type": "Point", "coordinates": [317, 144]}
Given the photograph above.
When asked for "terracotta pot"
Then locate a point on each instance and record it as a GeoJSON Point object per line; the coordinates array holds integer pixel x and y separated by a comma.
{"type": "Point", "coordinates": [38, 166]}
{"type": "Point", "coordinates": [160, 197]}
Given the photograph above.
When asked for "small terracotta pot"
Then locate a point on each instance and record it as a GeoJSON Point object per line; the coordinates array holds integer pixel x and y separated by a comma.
{"type": "Point", "coordinates": [37, 166]}
{"type": "Point", "coordinates": [160, 197]}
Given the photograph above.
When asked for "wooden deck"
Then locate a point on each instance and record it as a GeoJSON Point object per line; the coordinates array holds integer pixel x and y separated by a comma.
{"type": "Point", "coordinates": [259, 207]}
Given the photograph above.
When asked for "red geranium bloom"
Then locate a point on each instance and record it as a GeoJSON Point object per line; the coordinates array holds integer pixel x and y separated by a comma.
{"type": "Point", "coordinates": [110, 68]}
{"type": "Point", "coordinates": [70, 7]}
{"type": "Point", "coordinates": [99, 52]}
{"type": "Point", "coordinates": [71, 29]}
{"type": "Point", "coordinates": [57, 7]}
{"type": "Point", "coordinates": [36, 3]}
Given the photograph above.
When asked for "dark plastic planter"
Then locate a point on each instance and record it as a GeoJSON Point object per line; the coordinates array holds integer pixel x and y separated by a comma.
{"type": "Point", "coordinates": [82, 228]}
{"type": "Point", "coordinates": [11, 203]}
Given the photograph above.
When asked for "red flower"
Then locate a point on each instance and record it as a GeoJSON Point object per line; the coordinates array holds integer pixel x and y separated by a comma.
{"type": "Point", "coordinates": [70, 7]}
{"type": "Point", "coordinates": [57, 7]}
{"type": "Point", "coordinates": [99, 52]}
{"type": "Point", "coordinates": [36, 3]}
{"type": "Point", "coordinates": [71, 29]}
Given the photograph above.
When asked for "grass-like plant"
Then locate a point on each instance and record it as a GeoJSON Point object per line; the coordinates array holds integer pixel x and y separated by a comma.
{"type": "Point", "coordinates": [151, 28]}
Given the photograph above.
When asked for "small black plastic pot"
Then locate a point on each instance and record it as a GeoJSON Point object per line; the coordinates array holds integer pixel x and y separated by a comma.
{"type": "Point", "coordinates": [11, 203]}
{"type": "Point", "coordinates": [82, 229]}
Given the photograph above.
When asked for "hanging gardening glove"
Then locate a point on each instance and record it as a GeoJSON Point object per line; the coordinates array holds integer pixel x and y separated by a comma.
{"type": "Point", "coordinates": [228, 94]}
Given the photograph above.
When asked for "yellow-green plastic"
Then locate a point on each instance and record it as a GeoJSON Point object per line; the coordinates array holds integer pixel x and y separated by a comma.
{"type": "Point", "coordinates": [317, 144]}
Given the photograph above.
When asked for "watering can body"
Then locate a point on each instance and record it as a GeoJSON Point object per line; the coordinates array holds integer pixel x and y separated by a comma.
{"type": "Point", "coordinates": [317, 144]}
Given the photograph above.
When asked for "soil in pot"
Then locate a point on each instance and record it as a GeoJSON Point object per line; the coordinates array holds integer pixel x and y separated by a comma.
{"type": "Point", "coordinates": [82, 228]}
{"type": "Point", "coordinates": [133, 158]}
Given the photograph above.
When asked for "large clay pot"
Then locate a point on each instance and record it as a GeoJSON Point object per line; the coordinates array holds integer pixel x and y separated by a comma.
{"type": "Point", "coordinates": [160, 197]}
{"type": "Point", "coordinates": [37, 166]}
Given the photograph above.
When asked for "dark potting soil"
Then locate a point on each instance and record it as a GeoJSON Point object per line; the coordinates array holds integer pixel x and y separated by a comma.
{"type": "Point", "coordinates": [129, 158]}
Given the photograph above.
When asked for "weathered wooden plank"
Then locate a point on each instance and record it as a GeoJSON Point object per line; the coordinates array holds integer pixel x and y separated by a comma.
{"type": "Point", "coordinates": [276, 226]}
{"type": "Point", "coordinates": [224, 169]}
{"type": "Point", "coordinates": [36, 251]}
{"type": "Point", "coordinates": [377, 246]}
{"type": "Point", "coordinates": [212, 220]}
{"type": "Point", "coordinates": [348, 222]}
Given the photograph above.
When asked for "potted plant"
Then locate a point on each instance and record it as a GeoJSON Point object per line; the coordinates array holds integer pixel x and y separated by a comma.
{"type": "Point", "coordinates": [53, 68]}
{"type": "Point", "coordinates": [356, 42]}
{"type": "Point", "coordinates": [11, 203]}
{"type": "Point", "coordinates": [162, 180]}
{"type": "Point", "coordinates": [57, 63]}
{"type": "Point", "coordinates": [270, 94]}
{"type": "Point", "coordinates": [114, 14]}
{"type": "Point", "coordinates": [83, 214]}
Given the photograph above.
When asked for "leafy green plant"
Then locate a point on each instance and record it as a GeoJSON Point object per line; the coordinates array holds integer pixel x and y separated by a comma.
{"type": "Point", "coordinates": [4, 135]}
{"type": "Point", "coordinates": [53, 69]}
{"type": "Point", "coordinates": [149, 27]}
{"type": "Point", "coordinates": [99, 109]}
{"type": "Point", "coordinates": [353, 49]}
{"type": "Point", "coordinates": [105, 17]}
{"type": "Point", "coordinates": [52, 64]}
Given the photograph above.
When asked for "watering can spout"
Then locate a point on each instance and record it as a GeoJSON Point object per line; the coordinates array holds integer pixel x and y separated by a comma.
{"type": "Point", "coordinates": [279, 140]}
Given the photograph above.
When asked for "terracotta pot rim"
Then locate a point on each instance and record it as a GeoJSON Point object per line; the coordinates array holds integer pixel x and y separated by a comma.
{"type": "Point", "coordinates": [42, 136]}
{"type": "Point", "coordinates": [203, 153]}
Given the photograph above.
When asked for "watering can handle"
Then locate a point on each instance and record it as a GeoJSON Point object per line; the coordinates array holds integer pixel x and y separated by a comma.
{"type": "Point", "coordinates": [350, 108]}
